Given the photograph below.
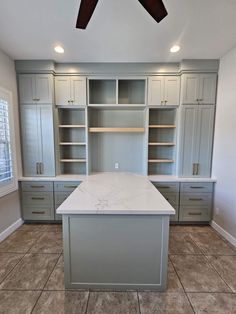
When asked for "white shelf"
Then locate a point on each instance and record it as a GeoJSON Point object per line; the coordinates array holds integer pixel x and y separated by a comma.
{"type": "Point", "coordinates": [162, 126]}
{"type": "Point", "coordinates": [73, 160]}
{"type": "Point", "coordinates": [72, 143]}
{"type": "Point", "coordinates": [160, 160]}
{"type": "Point", "coordinates": [161, 144]}
{"type": "Point", "coordinates": [116, 130]}
{"type": "Point", "coordinates": [71, 126]}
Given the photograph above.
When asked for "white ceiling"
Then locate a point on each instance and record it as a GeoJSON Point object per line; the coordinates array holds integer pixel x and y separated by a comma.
{"type": "Point", "coordinates": [119, 31]}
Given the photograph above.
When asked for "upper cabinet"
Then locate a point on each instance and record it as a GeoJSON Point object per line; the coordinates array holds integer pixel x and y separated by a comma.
{"type": "Point", "coordinates": [198, 88]}
{"type": "Point", "coordinates": [36, 88]}
{"type": "Point", "coordinates": [70, 90]}
{"type": "Point", "coordinates": [163, 90]}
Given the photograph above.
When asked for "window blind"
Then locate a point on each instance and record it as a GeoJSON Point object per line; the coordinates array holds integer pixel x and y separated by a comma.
{"type": "Point", "coordinates": [6, 172]}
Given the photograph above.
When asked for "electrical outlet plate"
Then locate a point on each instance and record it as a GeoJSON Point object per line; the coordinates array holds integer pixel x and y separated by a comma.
{"type": "Point", "coordinates": [116, 165]}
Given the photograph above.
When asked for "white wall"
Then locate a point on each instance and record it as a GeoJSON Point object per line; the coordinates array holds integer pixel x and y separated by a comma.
{"type": "Point", "coordinates": [9, 204]}
{"type": "Point", "coordinates": [224, 154]}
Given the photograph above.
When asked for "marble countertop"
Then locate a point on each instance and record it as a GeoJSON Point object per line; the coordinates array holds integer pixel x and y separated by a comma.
{"type": "Point", "coordinates": [116, 193]}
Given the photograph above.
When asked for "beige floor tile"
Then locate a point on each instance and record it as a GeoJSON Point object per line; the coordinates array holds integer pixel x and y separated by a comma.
{"type": "Point", "coordinates": [182, 243]}
{"type": "Point", "coordinates": [31, 227]}
{"type": "Point", "coordinates": [56, 280]}
{"type": "Point", "coordinates": [7, 263]}
{"type": "Point", "coordinates": [191, 229]}
{"type": "Point", "coordinates": [173, 283]}
{"type": "Point", "coordinates": [31, 273]}
{"type": "Point", "coordinates": [197, 275]}
{"type": "Point", "coordinates": [213, 303]}
{"type": "Point", "coordinates": [226, 267]}
{"type": "Point", "coordinates": [52, 228]}
{"type": "Point", "coordinates": [61, 302]}
{"type": "Point", "coordinates": [113, 302]}
{"type": "Point", "coordinates": [19, 242]}
{"type": "Point", "coordinates": [17, 302]}
{"type": "Point", "coordinates": [48, 242]}
{"type": "Point", "coordinates": [212, 244]}
{"type": "Point", "coordinates": [164, 303]}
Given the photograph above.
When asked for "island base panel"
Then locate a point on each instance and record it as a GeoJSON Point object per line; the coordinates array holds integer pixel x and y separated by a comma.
{"type": "Point", "coordinates": [118, 252]}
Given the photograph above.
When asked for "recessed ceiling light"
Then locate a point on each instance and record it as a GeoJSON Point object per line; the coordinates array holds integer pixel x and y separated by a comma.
{"type": "Point", "coordinates": [59, 49]}
{"type": "Point", "coordinates": [175, 48]}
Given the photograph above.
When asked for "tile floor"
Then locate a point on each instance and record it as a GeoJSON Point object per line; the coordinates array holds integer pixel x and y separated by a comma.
{"type": "Point", "coordinates": [201, 277]}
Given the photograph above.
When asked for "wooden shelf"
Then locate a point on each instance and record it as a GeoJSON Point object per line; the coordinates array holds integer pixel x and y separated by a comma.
{"type": "Point", "coordinates": [72, 143]}
{"type": "Point", "coordinates": [162, 126]}
{"type": "Point", "coordinates": [161, 144]}
{"type": "Point", "coordinates": [73, 160]}
{"type": "Point", "coordinates": [161, 160]}
{"type": "Point", "coordinates": [116, 130]}
{"type": "Point", "coordinates": [71, 126]}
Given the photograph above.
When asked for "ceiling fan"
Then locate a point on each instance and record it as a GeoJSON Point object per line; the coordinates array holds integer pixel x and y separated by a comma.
{"type": "Point", "coordinates": [155, 8]}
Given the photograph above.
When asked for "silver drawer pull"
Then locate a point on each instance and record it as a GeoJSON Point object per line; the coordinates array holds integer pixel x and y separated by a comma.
{"type": "Point", "coordinates": [38, 213]}
{"type": "Point", "coordinates": [196, 187]}
{"type": "Point", "coordinates": [195, 214]}
{"type": "Point", "coordinates": [37, 186]}
{"type": "Point", "coordinates": [70, 186]}
{"type": "Point", "coordinates": [195, 199]}
{"type": "Point", "coordinates": [38, 198]}
{"type": "Point", "coordinates": [164, 187]}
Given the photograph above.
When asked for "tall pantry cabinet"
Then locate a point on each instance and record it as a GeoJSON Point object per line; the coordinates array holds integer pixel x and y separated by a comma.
{"type": "Point", "coordinates": [36, 111]}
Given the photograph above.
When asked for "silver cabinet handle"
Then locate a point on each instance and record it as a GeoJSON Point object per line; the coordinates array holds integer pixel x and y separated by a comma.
{"type": "Point", "coordinates": [195, 199]}
{"type": "Point", "coordinates": [38, 213]}
{"type": "Point", "coordinates": [70, 186]}
{"type": "Point", "coordinates": [37, 186]}
{"type": "Point", "coordinates": [41, 168]}
{"type": "Point", "coordinates": [37, 168]}
{"type": "Point", "coordinates": [38, 198]}
{"type": "Point", "coordinates": [196, 187]}
{"type": "Point", "coordinates": [195, 214]}
{"type": "Point", "coordinates": [195, 169]}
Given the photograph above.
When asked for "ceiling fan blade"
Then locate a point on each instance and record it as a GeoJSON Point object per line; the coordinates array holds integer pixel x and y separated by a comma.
{"type": "Point", "coordinates": [155, 8]}
{"type": "Point", "coordinates": [85, 12]}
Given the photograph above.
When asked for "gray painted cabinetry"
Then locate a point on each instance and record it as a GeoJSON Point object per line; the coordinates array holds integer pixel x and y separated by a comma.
{"type": "Point", "coordinates": [196, 138]}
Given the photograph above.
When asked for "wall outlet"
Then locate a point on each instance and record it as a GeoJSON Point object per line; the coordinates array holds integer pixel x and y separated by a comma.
{"type": "Point", "coordinates": [116, 165]}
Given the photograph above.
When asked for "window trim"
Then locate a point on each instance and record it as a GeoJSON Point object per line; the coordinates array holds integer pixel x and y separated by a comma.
{"type": "Point", "coordinates": [12, 185]}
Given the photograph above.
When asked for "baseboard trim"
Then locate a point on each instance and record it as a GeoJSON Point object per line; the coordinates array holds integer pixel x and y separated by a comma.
{"type": "Point", "coordinates": [224, 233]}
{"type": "Point", "coordinates": [4, 234]}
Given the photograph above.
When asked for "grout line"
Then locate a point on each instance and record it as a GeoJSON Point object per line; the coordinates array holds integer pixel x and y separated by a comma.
{"type": "Point", "coordinates": [86, 309]}
{"type": "Point", "coordinates": [138, 303]}
{"type": "Point", "coordinates": [44, 285]}
{"type": "Point", "coordinates": [182, 286]}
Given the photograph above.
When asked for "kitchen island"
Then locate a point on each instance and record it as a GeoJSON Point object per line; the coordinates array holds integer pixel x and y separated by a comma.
{"type": "Point", "coordinates": [116, 233]}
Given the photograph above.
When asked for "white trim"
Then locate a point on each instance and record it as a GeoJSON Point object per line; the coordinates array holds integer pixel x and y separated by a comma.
{"type": "Point", "coordinates": [224, 233]}
{"type": "Point", "coordinates": [4, 234]}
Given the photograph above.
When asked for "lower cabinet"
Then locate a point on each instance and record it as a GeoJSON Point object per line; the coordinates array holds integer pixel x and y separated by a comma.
{"type": "Point", "coordinates": [192, 201]}
{"type": "Point", "coordinates": [40, 199]}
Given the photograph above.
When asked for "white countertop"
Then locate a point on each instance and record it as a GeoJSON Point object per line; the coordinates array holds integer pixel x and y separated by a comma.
{"type": "Point", "coordinates": [116, 193]}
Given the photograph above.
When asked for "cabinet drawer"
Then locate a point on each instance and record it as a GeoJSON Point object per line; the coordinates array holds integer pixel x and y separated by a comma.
{"type": "Point", "coordinates": [172, 198]}
{"type": "Point", "coordinates": [36, 186]}
{"type": "Point", "coordinates": [37, 198]}
{"type": "Point", "coordinates": [68, 186]}
{"type": "Point", "coordinates": [166, 186]}
{"type": "Point", "coordinates": [195, 213]}
{"type": "Point", "coordinates": [60, 197]}
{"type": "Point", "coordinates": [196, 187]}
{"type": "Point", "coordinates": [196, 199]}
{"type": "Point", "coordinates": [38, 213]}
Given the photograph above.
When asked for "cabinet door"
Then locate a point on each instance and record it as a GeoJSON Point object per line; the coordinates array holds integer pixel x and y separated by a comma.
{"type": "Point", "coordinates": [27, 88]}
{"type": "Point", "coordinates": [207, 88]}
{"type": "Point", "coordinates": [188, 138]}
{"type": "Point", "coordinates": [30, 139]}
{"type": "Point", "coordinates": [47, 158]}
{"type": "Point", "coordinates": [62, 90]}
{"type": "Point", "coordinates": [156, 90]}
{"type": "Point", "coordinates": [172, 89]}
{"type": "Point", "coordinates": [44, 88]}
{"type": "Point", "coordinates": [205, 127]}
{"type": "Point", "coordinates": [78, 90]}
{"type": "Point", "coordinates": [189, 88]}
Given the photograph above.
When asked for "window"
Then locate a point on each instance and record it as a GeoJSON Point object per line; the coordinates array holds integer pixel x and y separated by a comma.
{"type": "Point", "coordinates": [7, 150]}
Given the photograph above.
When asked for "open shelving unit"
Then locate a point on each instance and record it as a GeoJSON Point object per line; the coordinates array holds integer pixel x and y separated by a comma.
{"type": "Point", "coordinates": [161, 141]}
{"type": "Point", "coordinates": [72, 140]}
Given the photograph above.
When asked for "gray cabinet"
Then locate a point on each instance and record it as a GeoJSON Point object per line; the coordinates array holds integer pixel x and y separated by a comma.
{"type": "Point", "coordinates": [198, 88]}
{"type": "Point", "coordinates": [70, 90]}
{"type": "Point", "coordinates": [37, 140]}
{"type": "Point", "coordinates": [195, 202]}
{"type": "Point", "coordinates": [196, 136]}
{"type": "Point", "coordinates": [37, 200]}
{"type": "Point", "coordinates": [163, 90]}
{"type": "Point", "coordinates": [36, 88]}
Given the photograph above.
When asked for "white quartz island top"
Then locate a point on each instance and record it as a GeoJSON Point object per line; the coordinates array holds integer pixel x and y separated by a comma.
{"type": "Point", "coordinates": [116, 193]}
